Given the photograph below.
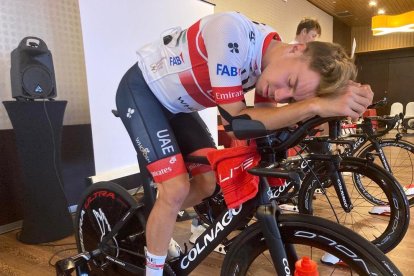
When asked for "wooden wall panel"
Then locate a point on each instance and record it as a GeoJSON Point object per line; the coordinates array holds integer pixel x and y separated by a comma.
{"type": "Point", "coordinates": [389, 71]}
{"type": "Point", "coordinates": [366, 42]}
{"type": "Point", "coordinates": [342, 35]}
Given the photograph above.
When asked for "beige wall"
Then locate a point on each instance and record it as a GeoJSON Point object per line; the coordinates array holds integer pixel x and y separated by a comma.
{"type": "Point", "coordinates": [57, 23]}
{"type": "Point", "coordinates": [283, 16]}
{"type": "Point", "coordinates": [366, 42]}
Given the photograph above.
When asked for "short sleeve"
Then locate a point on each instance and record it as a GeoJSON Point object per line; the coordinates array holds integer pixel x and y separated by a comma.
{"type": "Point", "coordinates": [227, 45]}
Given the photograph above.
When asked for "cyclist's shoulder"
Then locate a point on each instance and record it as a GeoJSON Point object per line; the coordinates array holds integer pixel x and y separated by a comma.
{"type": "Point", "coordinates": [229, 21]}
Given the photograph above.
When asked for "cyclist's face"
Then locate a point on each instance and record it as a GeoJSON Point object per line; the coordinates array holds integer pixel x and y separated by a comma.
{"type": "Point", "coordinates": [288, 79]}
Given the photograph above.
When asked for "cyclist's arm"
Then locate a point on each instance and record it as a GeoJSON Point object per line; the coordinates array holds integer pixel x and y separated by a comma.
{"type": "Point", "coordinates": [272, 117]}
{"type": "Point", "coordinates": [352, 101]}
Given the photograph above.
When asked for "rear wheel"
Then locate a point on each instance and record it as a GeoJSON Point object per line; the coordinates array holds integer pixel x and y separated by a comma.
{"type": "Point", "coordinates": [100, 208]}
{"type": "Point", "coordinates": [380, 210]}
{"type": "Point", "coordinates": [311, 237]}
{"type": "Point", "coordinates": [400, 157]}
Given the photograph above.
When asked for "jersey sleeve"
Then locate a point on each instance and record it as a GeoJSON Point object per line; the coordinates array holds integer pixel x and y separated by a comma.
{"type": "Point", "coordinates": [227, 43]}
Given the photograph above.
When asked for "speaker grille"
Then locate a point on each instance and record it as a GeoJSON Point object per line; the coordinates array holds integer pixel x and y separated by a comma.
{"type": "Point", "coordinates": [37, 81]}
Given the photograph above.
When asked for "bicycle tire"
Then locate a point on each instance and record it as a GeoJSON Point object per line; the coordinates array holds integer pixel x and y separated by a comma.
{"type": "Point", "coordinates": [101, 206]}
{"type": "Point", "coordinates": [400, 157]}
{"type": "Point", "coordinates": [248, 254]}
{"type": "Point", "coordinates": [384, 231]}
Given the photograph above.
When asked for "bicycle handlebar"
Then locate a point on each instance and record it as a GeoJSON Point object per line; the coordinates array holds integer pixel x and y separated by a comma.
{"type": "Point", "coordinates": [380, 103]}
{"type": "Point", "coordinates": [390, 123]}
{"type": "Point", "coordinates": [304, 129]}
{"type": "Point", "coordinates": [252, 129]}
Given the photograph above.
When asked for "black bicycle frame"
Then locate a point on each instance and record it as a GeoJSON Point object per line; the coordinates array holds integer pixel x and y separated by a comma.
{"type": "Point", "coordinates": [228, 221]}
{"type": "Point", "coordinates": [362, 140]}
{"type": "Point", "coordinates": [368, 135]}
{"type": "Point", "coordinates": [332, 162]}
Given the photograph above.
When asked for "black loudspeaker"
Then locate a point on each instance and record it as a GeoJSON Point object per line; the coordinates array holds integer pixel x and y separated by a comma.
{"type": "Point", "coordinates": [31, 72]}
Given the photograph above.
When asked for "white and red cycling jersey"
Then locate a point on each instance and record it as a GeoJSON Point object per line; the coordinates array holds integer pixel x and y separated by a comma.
{"type": "Point", "coordinates": [215, 61]}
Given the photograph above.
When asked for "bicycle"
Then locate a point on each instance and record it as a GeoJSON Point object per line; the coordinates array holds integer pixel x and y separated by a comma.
{"type": "Point", "coordinates": [110, 228]}
{"type": "Point", "coordinates": [395, 154]}
{"type": "Point", "coordinates": [340, 188]}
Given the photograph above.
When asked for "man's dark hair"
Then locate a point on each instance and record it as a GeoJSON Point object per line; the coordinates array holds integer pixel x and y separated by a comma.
{"type": "Point", "coordinates": [309, 24]}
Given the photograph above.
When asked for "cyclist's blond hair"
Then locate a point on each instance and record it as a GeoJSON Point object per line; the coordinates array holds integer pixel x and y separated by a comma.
{"type": "Point", "coordinates": [332, 63]}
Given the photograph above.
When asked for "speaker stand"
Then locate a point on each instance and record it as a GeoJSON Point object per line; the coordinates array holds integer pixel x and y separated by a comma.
{"type": "Point", "coordinates": [38, 126]}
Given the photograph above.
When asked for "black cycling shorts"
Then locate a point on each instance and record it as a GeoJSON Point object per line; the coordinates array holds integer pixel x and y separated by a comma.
{"type": "Point", "coordinates": [156, 132]}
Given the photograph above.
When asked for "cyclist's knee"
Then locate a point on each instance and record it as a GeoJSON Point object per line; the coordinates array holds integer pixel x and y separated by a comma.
{"type": "Point", "coordinates": [206, 183]}
{"type": "Point", "coordinates": [173, 192]}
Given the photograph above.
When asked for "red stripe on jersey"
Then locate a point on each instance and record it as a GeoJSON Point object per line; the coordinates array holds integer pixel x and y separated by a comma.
{"type": "Point", "coordinates": [230, 94]}
{"type": "Point", "coordinates": [189, 83]}
{"type": "Point", "coordinates": [267, 40]}
{"type": "Point", "coordinates": [167, 168]}
{"type": "Point", "coordinates": [198, 57]}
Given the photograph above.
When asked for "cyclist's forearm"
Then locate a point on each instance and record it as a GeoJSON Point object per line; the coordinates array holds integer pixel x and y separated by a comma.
{"type": "Point", "coordinates": [280, 117]}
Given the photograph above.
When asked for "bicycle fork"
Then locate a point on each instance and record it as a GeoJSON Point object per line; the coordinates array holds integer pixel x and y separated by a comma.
{"type": "Point", "coordinates": [339, 184]}
{"type": "Point", "coordinates": [333, 162]}
{"type": "Point", "coordinates": [266, 213]}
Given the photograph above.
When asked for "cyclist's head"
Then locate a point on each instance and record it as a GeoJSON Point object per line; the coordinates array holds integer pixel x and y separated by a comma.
{"type": "Point", "coordinates": [332, 63]}
{"type": "Point", "coordinates": [294, 72]}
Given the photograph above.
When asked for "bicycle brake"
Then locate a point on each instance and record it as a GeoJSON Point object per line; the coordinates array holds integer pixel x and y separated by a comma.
{"type": "Point", "coordinates": [370, 156]}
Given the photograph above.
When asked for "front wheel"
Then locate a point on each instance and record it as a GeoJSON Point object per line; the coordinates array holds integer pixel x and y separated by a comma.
{"type": "Point", "coordinates": [312, 237]}
{"type": "Point", "coordinates": [380, 211]}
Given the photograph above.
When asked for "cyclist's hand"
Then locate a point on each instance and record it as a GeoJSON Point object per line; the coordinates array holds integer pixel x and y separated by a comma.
{"type": "Point", "coordinates": [352, 101]}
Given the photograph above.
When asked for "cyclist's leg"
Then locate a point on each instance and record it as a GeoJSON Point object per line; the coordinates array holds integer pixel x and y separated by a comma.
{"type": "Point", "coordinates": [146, 121]}
{"type": "Point", "coordinates": [194, 139]}
{"type": "Point", "coordinates": [202, 186]}
{"type": "Point", "coordinates": [160, 224]}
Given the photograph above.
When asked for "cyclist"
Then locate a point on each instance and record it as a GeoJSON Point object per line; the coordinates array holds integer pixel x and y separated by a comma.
{"type": "Point", "coordinates": [210, 64]}
{"type": "Point", "coordinates": [308, 30]}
